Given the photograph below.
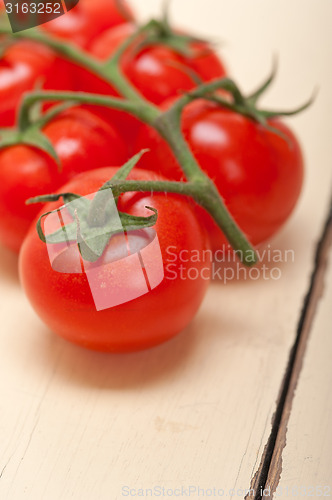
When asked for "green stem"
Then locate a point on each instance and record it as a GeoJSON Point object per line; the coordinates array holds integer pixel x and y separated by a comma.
{"type": "Point", "coordinates": [205, 194]}
{"type": "Point", "coordinates": [210, 200]}
{"type": "Point", "coordinates": [147, 114]}
{"type": "Point", "coordinates": [66, 49]}
{"type": "Point", "coordinates": [104, 70]}
{"type": "Point", "coordinates": [97, 209]}
{"type": "Point", "coordinates": [52, 113]}
{"type": "Point", "coordinates": [208, 89]}
{"type": "Point", "coordinates": [169, 127]}
{"type": "Point", "coordinates": [119, 187]}
{"type": "Point", "coordinates": [254, 97]}
{"type": "Point", "coordinates": [200, 187]}
{"type": "Point", "coordinates": [113, 72]}
{"type": "Point", "coordinates": [116, 57]}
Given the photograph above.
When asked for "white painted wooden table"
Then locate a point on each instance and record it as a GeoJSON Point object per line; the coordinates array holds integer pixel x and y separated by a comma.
{"type": "Point", "coordinates": [227, 405]}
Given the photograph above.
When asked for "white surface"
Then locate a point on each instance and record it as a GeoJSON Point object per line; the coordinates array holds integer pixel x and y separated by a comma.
{"type": "Point", "coordinates": [196, 411]}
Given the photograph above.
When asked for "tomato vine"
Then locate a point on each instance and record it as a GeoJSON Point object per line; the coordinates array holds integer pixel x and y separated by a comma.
{"type": "Point", "coordinates": [198, 185]}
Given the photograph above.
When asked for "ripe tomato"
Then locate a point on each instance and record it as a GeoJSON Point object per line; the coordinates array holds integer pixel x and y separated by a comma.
{"type": "Point", "coordinates": [64, 300]}
{"type": "Point", "coordinates": [258, 173]}
{"type": "Point", "coordinates": [158, 72]}
{"type": "Point", "coordinates": [23, 66]}
{"type": "Point", "coordinates": [87, 20]}
{"type": "Point", "coordinates": [82, 141]}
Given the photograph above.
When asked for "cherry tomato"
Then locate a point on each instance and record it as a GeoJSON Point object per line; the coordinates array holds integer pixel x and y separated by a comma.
{"type": "Point", "coordinates": [158, 72]}
{"type": "Point", "coordinates": [64, 299]}
{"type": "Point", "coordinates": [87, 20]}
{"type": "Point", "coordinates": [258, 173]}
{"type": "Point", "coordinates": [82, 141]}
{"type": "Point", "coordinates": [25, 65]}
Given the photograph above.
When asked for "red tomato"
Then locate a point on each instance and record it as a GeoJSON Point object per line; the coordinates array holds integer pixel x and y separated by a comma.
{"type": "Point", "coordinates": [64, 300]}
{"type": "Point", "coordinates": [82, 141]}
{"type": "Point", "coordinates": [87, 20]}
{"type": "Point", "coordinates": [258, 173]}
{"type": "Point", "coordinates": [158, 72]}
{"type": "Point", "coordinates": [23, 66]}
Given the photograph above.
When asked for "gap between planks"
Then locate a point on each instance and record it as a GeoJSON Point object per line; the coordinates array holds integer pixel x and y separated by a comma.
{"type": "Point", "coordinates": [271, 463]}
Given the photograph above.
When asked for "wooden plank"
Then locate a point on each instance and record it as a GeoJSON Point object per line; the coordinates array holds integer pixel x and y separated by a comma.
{"type": "Point", "coordinates": [196, 411]}
{"type": "Point", "coordinates": [301, 463]}
{"type": "Point", "coordinates": [267, 476]}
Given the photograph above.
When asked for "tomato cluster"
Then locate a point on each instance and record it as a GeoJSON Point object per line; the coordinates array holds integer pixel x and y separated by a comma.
{"type": "Point", "coordinates": [257, 172]}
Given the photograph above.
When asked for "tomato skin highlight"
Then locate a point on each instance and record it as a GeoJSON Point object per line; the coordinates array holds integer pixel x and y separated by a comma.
{"type": "Point", "coordinates": [258, 173]}
{"type": "Point", "coordinates": [24, 65]}
{"type": "Point", "coordinates": [64, 301]}
{"type": "Point", "coordinates": [157, 72]}
{"type": "Point", "coordinates": [82, 140]}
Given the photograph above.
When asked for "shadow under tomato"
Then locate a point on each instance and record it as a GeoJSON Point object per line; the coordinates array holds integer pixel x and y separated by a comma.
{"type": "Point", "coordinates": [111, 371]}
{"type": "Point", "coordinates": [8, 265]}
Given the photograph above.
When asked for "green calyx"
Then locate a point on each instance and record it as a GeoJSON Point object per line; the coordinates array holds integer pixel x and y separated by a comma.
{"type": "Point", "coordinates": [160, 32]}
{"type": "Point", "coordinates": [29, 130]}
{"type": "Point", "coordinates": [32, 136]}
{"type": "Point", "coordinates": [247, 106]}
{"type": "Point", "coordinates": [93, 222]}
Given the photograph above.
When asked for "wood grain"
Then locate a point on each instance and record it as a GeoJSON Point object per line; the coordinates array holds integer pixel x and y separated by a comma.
{"type": "Point", "coordinates": [267, 477]}
{"type": "Point", "coordinates": [197, 411]}
{"type": "Point", "coordinates": [302, 457]}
